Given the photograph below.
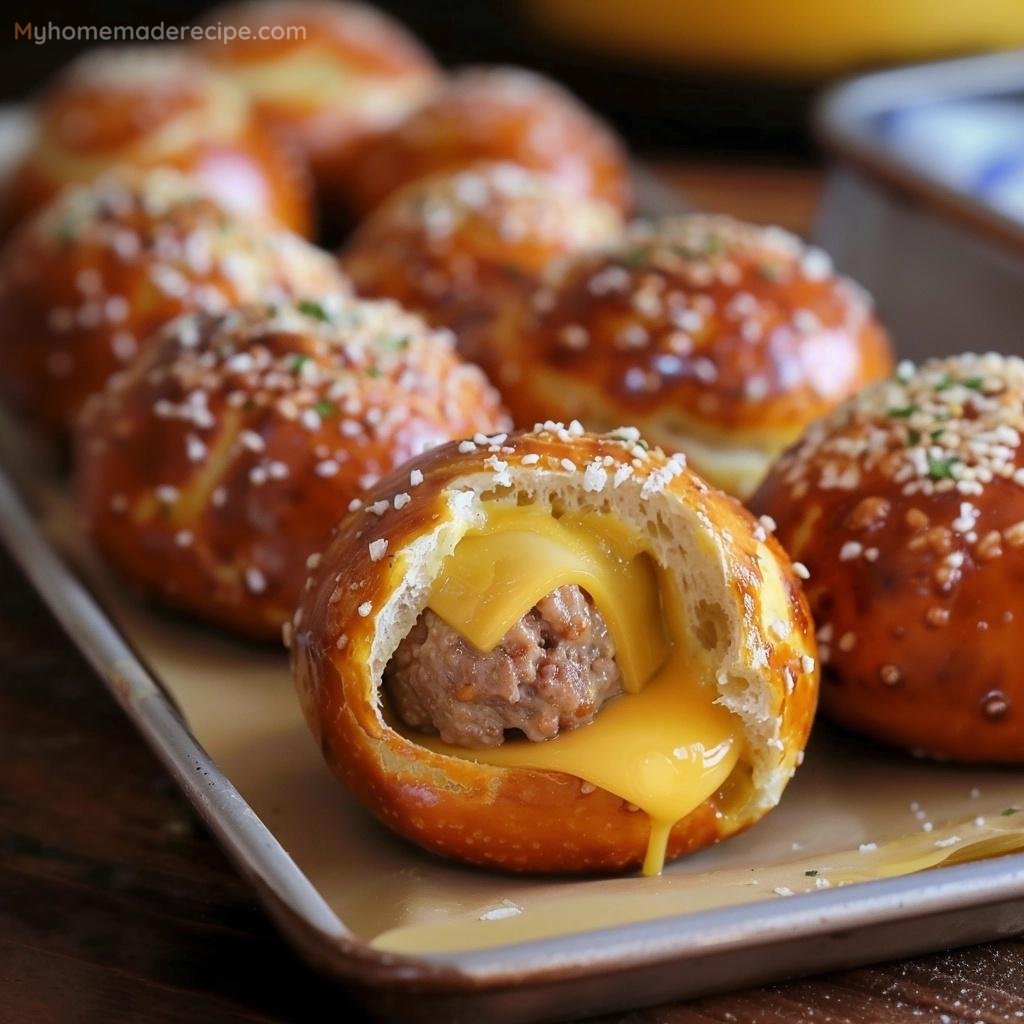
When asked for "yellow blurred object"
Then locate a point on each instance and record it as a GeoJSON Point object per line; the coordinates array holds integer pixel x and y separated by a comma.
{"type": "Point", "coordinates": [799, 38]}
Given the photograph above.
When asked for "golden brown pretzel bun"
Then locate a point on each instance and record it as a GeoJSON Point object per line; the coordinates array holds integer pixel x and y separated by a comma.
{"type": "Point", "coordinates": [466, 250]}
{"type": "Point", "coordinates": [717, 338]}
{"type": "Point", "coordinates": [133, 108]}
{"type": "Point", "coordinates": [86, 281]}
{"type": "Point", "coordinates": [211, 469]}
{"type": "Point", "coordinates": [746, 627]}
{"type": "Point", "coordinates": [495, 114]}
{"type": "Point", "coordinates": [907, 506]}
{"type": "Point", "coordinates": [355, 73]}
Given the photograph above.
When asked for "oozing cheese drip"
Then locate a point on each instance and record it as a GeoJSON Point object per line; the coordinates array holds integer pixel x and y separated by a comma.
{"type": "Point", "coordinates": [664, 746]}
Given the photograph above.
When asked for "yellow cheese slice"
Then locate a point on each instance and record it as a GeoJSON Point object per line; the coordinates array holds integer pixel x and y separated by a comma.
{"type": "Point", "coordinates": [498, 574]}
{"type": "Point", "coordinates": [665, 745]}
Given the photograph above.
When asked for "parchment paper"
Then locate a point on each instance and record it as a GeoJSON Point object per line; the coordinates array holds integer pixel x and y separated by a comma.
{"type": "Point", "coordinates": [855, 811]}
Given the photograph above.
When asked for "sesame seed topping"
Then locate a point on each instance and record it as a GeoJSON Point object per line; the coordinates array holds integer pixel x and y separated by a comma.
{"type": "Point", "coordinates": [890, 675]}
{"type": "Point", "coordinates": [850, 550]}
{"type": "Point", "coordinates": [953, 424]}
{"type": "Point", "coordinates": [255, 581]}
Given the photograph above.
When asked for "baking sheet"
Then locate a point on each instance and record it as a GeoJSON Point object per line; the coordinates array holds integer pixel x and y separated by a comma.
{"type": "Point", "coordinates": [855, 811]}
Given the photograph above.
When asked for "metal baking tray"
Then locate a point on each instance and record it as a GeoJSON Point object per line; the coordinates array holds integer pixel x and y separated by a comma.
{"type": "Point", "coordinates": [910, 207]}
{"type": "Point", "coordinates": [416, 937]}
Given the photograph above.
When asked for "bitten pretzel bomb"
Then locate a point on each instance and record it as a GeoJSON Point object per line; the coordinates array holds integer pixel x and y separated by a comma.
{"type": "Point", "coordinates": [639, 629]}
{"type": "Point", "coordinates": [523, 636]}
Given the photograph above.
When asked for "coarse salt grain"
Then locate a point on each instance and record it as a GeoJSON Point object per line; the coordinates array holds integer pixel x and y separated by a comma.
{"type": "Point", "coordinates": [255, 581]}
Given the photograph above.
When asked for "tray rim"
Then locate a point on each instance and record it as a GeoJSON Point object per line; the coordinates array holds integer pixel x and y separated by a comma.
{"type": "Point", "coordinates": [322, 937]}
{"type": "Point", "coordinates": [840, 125]}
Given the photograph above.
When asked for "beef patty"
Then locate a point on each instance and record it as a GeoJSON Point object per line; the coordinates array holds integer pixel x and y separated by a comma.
{"type": "Point", "coordinates": [553, 670]}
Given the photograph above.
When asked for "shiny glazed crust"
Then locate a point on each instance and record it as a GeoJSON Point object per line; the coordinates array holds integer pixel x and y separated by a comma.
{"type": "Point", "coordinates": [85, 282]}
{"type": "Point", "coordinates": [361, 602]}
{"type": "Point", "coordinates": [356, 73]}
{"type": "Point", "coordinates": [495, 114]}
{"type": "Point", "coordinates": [715, 337]}
{"type": "Point", "coordinates": [127, 108]}
{"type": "Point", "coordinates": [219, 462]}
{"type": "Point", "coordinates": [467, 250]}
{"type": "Point", "coordinates": [907, 506]}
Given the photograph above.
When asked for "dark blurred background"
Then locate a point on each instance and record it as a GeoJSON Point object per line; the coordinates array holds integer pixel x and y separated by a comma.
{"type": "Point", "coordinates": [726, 77]}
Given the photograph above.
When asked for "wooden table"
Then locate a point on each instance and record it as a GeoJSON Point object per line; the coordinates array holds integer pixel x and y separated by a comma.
{"type": "Point", "coordinates": [116, 905]}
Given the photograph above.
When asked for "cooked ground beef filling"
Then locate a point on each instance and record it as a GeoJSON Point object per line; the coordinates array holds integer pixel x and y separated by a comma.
{"type": "Point", "coordinates": [553, 670]}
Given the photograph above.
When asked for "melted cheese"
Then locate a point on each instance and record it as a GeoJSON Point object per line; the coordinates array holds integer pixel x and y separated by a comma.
{"type": "Point", "coordinates": [664, 746]}
{"type": "Point", "coordinates": [498, 574]}
{"type": "Point", "coordinates": [313, 79]}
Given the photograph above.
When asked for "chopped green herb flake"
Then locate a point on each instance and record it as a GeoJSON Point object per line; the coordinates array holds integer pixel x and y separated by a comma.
{"type": "Point", "coordinates": [325, 408]}
{"type": "Point", "coordinates": [396, 342]}
{"type": "Point", "coordinates": [942, 469]}
{"type": "Point", "coordinates": [903, 413]}
{"type": "Point", "coordinates": [974, 383]}
{"type": "Point", "coordinates": [373, 371]}
{"type": "Point", "coordinates": [811, 873]}
{"type": "Point", "coordinates": [1009, 810]}
{"type": "Point", "coordinates": [635, 259]}
{"type": "Point", "coordinates": [298, 360]}
{"type": "Point", "coordinates": [313, 309]}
